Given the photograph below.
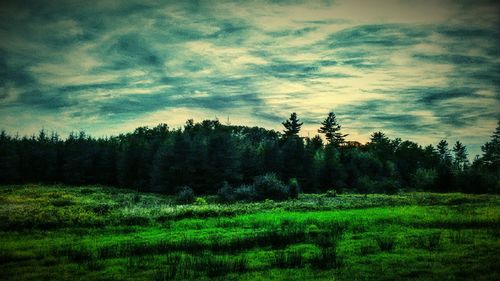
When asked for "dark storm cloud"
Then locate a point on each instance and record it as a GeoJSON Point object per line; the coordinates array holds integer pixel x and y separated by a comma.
{"type": "Point", "coordinates": [451, 59]}
{"type": "Point", "coordinates": [130, 51]}
{"type": "Point", "coordinates": [427, 97]}
{"type": "Point", "coordinates": [133, 105]}
{"type": "Point", "coordinates": [42, 100]}
{"type": "Point", "coordinates": [12, 74]}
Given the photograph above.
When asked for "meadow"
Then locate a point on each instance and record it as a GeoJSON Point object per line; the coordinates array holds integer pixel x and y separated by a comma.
{"type": "Point", "coordinates": [50, 232]}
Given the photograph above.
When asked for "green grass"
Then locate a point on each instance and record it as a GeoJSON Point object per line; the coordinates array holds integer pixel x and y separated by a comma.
{"type": "Point", "coordinates": [97, 233]}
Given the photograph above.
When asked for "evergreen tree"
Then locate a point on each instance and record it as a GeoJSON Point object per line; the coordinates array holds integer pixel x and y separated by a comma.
{"type": "Point", "coordinates": [460, 152]}
{"type": "Point", "coordinates": [331, 129]}
{"type": "Point", "coordinates": [444, 152]}
{"type": "Point", "coordinates": [444, 180]}
{"type": "Point", "coordinates": [381, 145]}
{"type": "Point", "coordinates": [491, 152]}
{"type": "Point", "coordinates": [292, 126]}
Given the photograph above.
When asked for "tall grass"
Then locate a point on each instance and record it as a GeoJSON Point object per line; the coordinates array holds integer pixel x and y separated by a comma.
{"type": "Point", "coordinates": [386, 243]}
{"type": "Point", "coordinates": [181, 266]}
{"type": "Point", "coordinates": [327, 258]}
{"type": "Point", "coordinates": [288, 259]}
{"type": "Point", "coordinates": [429, 242]}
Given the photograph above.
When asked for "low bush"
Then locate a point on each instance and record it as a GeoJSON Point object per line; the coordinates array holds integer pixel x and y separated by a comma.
{"type": "Point", "coordinates": [200, 201]}
{"type": "Point", "coordinates": [294, 188]}
{"type": "Point", "coordinates": [185, 195]}
{"type": "Point", "coordinates": [269, 186]}
{"type": "Point", "coordinates": [264, 187]}
{"type": "Point", "coordinates": [331, 193]}
{"type": "Point", "coordinates": [226, 193]}
{"type": "Point", "coordinates": [245, 193]}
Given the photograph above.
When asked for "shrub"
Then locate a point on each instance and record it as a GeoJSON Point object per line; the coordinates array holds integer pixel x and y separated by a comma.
{"type": "Point", "coordinates": [226, 193]}
{"type": "Point", "coordinates": [245, 193]}
{"type": "Point", "coordinates": [185, 195]}
{"type": "Point", "coordinates": [294, 188]}
{"type": "Point", "coordinates": [331, 193]}
{"type": "Point", "coordinates": [269, 186]}
{"type": "Point", "coordinates": [200, 201]}
{"type": "Point", "coordinates": [264, 187]}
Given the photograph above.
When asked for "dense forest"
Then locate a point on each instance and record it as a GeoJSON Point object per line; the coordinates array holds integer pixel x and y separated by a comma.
{"type": "Point", "coordinates": [210, 156]}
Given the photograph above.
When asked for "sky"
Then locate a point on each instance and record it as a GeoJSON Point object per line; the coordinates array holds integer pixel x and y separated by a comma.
{"type": "Point", "coordinates": [418, 70]}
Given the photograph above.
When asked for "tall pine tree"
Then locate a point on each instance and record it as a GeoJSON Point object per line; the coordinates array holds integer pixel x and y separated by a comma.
{"type": "Point", "coordinates": [460, 151]}
{"type": "Point", "coordinates": [331, 129]}
{"type": "Point", "coordinates": [292, 125]}
{"type": "Point", "coordinates": [491, 151]}
{"type": "Point", "coordinates": [444, 152]}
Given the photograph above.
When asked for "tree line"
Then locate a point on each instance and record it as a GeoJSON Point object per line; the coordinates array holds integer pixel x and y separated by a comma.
{"type": "Point", "coordinates": [209, 155]}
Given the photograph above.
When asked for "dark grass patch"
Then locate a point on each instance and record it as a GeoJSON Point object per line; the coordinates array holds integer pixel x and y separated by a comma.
{"type": "Point", "coordinates": [135, 220]}
{"type": "Point", "coordinates": [386, 243]}
{"type": "Point", "coordinates": [12, 257]}
{"type": "Point", "coordinates": [101, 209]}
{"type": "Point", "coordinates": [199, 213]}
{"type": "Point", "coordinates": [182, 266]}
{"type": "Point", "coordinates": [61, 202]}
{"type": "Point", "coordinates": [460, 237]}
{"type": "Point", "coordinates": [86, 191]}
{"type": "Point", "coordinates": [327, 258]}
{"type": "Point", "coordinates": [139, 264]}
{"type": "Point", "coordinates": [83, 256]}
{"type": "Point", "coordinates": [429, 242]}
{"type": "Point", "coordinates": [358, 228]}
{"type": "Point", "coordinates": [368, 249]}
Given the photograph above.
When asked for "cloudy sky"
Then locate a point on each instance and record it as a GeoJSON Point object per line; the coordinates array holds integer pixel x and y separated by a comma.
{"type": "Point", "coordinates": [419, 70]}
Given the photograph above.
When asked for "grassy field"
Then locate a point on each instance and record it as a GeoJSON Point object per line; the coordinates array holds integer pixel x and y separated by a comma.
{"type": "Point", "coordinates": [95, 233]}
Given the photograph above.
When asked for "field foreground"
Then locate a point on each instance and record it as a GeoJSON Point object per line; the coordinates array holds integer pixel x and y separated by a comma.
{"type": "Point", "coordinates": [95, 233]}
